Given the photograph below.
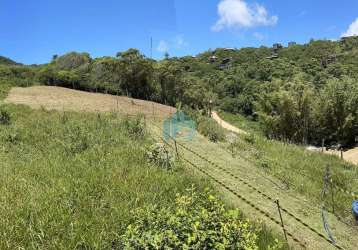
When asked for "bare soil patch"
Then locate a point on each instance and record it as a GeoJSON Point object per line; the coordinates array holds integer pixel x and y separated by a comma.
{"type": "Point", "coordinates": [350, 155]}
{"type": "Point", "coordinates": [57, 98]}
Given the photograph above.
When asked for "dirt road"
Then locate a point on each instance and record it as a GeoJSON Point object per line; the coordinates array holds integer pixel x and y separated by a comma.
{"type": "Point", "coordinates": [226, 125]}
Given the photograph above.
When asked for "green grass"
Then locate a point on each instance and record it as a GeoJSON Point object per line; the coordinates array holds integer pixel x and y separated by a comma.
{"type": "Point", "coordinates": [4, 89]}
{"type": "Point", "coordinates": [295, 167]}
{"type": "Point", "coordinates": [71, 181]}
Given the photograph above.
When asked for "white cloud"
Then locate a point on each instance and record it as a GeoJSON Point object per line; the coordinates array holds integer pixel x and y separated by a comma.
{"type": "Point", "coordinates": [352, 30]}
{"type": "Point", "coordinates": [163, 46]}
{"type": "Point", "coordinates": [238, 14]}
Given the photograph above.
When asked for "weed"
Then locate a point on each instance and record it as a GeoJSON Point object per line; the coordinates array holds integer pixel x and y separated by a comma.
{"type": "Point", "coordinates": [211, 129]}
{"type": "Point", "coordinates": [159, 155]}
{"type": "Point", "coordinates": [5, 117]}
{"type": "Point", "coordinates": [135, 127]}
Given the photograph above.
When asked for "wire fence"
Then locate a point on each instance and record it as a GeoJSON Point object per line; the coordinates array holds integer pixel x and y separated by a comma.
{"type": "Point", "coordinates": [264, 195]}
{"type": "Point", "coordinates": [333, 186]}
{"type": "Point", "coordinates": [301, 173]}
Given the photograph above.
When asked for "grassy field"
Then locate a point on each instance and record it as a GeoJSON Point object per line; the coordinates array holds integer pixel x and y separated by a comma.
{"type": "Point", "coordinates": [72, 180]}
{"type": "Point", "coordinates": [295, 167]}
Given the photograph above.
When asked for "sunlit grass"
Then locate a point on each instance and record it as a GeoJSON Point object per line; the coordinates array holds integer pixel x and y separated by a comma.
{"type": "Point", "coordinates": [296, 167]}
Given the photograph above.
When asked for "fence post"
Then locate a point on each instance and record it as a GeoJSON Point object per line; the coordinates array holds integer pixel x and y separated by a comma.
{"type": "Point", "coordinates": [283, 226]}
{"type": "Point", "coordinates": [332, 196]}
{"type": "Point", "coordinates": [176, 148]}
{"type": "Point", "coordinates": [329, 175]}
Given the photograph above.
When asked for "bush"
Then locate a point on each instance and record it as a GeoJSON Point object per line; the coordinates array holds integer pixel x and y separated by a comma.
{"type": "Point", "coordinates": [5, 117]}
{"type": "Point", "coordinates": [136, 126]}
{"type": "Point", "coordinates": [250, 138]}
{"type": "Point", "coordinates": [159, 155]}
{"type": "Point", "coordinates": [76, 140]}
{"type": "Point", "coordinates": [211, 129]}
{"type": "Point", "coordinates": [196, 221]}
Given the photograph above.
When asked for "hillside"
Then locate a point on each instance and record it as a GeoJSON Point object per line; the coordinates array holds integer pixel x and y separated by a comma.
{"type": "Point", "coordinates": [284, 89]}
{"type": "Point", "coordinates": [83, 180]}
{"type": "Point", "coordinates": [7, 61]}
{"type": "Point", "coordinates": [247, 162]}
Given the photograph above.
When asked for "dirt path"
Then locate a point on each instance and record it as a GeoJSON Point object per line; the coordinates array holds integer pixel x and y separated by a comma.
{"type": "Point", "coordinates": [350, 155]}
{"type": "Point", "coordinates": [225, 124]}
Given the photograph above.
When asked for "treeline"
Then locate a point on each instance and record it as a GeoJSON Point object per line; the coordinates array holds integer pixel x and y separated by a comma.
{"type": "Point", "coordinates": [301, 93]}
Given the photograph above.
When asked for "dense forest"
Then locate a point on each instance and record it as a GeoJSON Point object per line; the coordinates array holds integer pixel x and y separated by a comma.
{"type": "Point", "coordinates": [300, 93]}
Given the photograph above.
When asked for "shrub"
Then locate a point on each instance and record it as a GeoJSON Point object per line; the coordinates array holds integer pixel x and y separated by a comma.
{"type": "Point", "coordinates": [76, 140]}
{"type": "Point", "coordinates": [211, 129]}
{"type": "Point", "coordinates": [5, 117]}
{"type": "Point", "coordinates": [196, 221]}
{"type": "Point", "coordinates": [159, 155]}
{"type": "Point", "coordinates": [13, 138]}
{"type": "Point", "coordinates": [136, 126]}
{"type": "Point", "coordinates": [250, 138]}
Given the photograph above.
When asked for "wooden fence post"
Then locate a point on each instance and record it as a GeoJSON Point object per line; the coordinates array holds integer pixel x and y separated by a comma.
{"type": "Point", "coordinates": [283, 226]}
{"type": "Point", "coordinates": [176, 148]}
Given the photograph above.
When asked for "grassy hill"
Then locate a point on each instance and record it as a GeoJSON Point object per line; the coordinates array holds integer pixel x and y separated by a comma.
{"type": "Point", "coordinates": [72, 179]}
{"type": "Point", "coordinates": [287, 172]}
{"type": "Point", "coordinates": [79, 180]}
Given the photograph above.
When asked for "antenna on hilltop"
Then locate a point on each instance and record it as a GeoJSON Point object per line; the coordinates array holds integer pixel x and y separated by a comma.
{"type": "Point", "coordinates": [151, 48]}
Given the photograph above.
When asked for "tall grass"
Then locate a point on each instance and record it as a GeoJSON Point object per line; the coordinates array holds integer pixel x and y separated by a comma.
{"type": "Point", "coordinates": [71, 181]}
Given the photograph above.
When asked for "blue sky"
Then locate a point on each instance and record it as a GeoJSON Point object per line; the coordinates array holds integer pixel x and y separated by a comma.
{"type": "Point", "coordinates": [31, 31]}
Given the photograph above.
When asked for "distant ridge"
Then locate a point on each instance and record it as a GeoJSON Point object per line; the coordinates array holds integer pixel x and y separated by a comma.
{"type": "Point", "coordinates": [7, 61]}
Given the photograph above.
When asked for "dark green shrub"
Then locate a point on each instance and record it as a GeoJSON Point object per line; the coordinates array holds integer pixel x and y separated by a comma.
{"type": "Point", "coordinates": [196, 221]}
{"type": "Point", "coordinates": [5, 117]}
{"type": "Point", "coordinates": [250, 138]}
{"type": "Point", "coordinates": [136, 126]}
{"type": "Point", "coordinates": [76, 140]}
{"type": "Point", "coordinates": [13, 138]}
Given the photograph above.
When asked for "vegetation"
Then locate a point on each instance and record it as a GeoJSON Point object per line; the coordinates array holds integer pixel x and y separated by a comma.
{"type": "Point", "coordinates": [296, 92]}
{"type": "Point", "coordinates": [296, 168]}
{"type": "Point", "coordinates": [71, 181]}
{"type": "Point", "coordinates": [197, 221]}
